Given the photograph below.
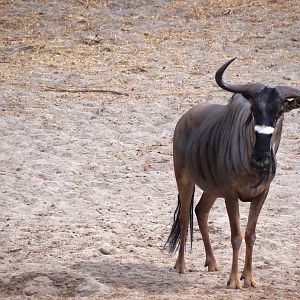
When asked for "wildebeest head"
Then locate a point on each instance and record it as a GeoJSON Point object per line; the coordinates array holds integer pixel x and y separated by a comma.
{"type": "Point", "coordinates": [267, 106]}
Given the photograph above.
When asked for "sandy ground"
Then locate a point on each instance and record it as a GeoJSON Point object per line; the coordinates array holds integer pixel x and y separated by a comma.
{"type": "Point", "coordinates": [86, 180]}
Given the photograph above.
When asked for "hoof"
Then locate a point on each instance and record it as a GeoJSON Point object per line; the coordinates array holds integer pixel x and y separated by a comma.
{"type": "Point", "coordinates": [180, 268]}
{"type": "Point", "coordinates": [234, 283]}
{"type": "Point", "coordinates": [212, 265]}
{"type": "Point", "coordinates": [212, 268]}
{"type": "Point", "coordinates": [248, 281]}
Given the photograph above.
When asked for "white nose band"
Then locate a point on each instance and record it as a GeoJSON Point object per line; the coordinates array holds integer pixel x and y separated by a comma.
{"type": "Point", "coordinates": [263, 129]}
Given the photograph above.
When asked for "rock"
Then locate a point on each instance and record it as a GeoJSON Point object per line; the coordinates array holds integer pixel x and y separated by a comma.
{"type": "Point", "coordinates": [91, 286]}
{"type": "Point", "coordinates": [105, 251]}
{"type": "Point", "coordinates": [41, 285]}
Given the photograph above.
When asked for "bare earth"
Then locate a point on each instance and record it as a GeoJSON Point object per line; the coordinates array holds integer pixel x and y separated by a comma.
{"type": "Point", "coordinates": [86, 179]}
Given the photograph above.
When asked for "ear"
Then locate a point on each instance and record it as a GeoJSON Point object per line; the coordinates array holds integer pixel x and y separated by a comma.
{"type": "Point", "coordinates": [289, 105]}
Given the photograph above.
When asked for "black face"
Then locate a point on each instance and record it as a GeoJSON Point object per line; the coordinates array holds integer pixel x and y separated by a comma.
{"type": "Point", "coordinates": [267, 107]}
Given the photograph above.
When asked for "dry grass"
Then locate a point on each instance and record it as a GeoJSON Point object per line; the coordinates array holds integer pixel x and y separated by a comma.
{"type": "Point", "coordinates": [74, 42]}
{"type": "Point", "coordinates": [203, 9]}
{"type": "Point", "coordinates": [92, 3]}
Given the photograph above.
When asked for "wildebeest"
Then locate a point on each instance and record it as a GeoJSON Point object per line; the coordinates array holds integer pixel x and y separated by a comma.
{"type": "Point", "coordinates": [229, 152]}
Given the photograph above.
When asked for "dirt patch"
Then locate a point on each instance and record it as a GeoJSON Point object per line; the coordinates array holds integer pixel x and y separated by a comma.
{"type": "Point", "coordinates": [87, 186]}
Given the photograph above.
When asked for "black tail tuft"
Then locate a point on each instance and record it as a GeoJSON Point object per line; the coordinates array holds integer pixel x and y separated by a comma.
{"type": "Point", "coordinates": [191, 218]}
{"type": "Point", "coordinates": [174, 237]}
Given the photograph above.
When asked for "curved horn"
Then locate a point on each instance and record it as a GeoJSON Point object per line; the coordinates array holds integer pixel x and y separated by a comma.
{"type": "Point", "coordinates": [248, 90]}
{"type": "Point", "coordinates": [287, 92]}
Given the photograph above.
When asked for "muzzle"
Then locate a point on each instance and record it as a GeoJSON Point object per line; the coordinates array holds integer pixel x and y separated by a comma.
{"type": "Point", "coordinates": [262, 162]}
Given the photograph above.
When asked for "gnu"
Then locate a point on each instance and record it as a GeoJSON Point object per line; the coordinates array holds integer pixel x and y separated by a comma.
{"type": "Point", "coordinates": [229, 152]}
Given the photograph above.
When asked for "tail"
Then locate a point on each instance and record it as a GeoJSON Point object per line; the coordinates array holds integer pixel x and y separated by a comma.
{"type": "Point", "coordinates": [174, 237]}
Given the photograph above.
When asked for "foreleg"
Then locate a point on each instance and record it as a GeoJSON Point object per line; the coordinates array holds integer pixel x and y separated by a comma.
{"type": "Point", "coordinates": [250, 236]}
{"type": "Point", "coordinates": [232, 207]}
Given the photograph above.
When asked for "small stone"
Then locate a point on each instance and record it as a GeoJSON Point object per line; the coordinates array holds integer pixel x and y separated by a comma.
{"type": "Point", "coordinates": [29, 293]}
{"type": "Point", "coordinates": [104, 251]}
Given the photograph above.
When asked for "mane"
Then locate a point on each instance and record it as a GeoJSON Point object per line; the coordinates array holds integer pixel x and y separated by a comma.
{"type": "Point", "coordinates": [237, 133]}
{"type": "Point", "coordinates": [225, 127]}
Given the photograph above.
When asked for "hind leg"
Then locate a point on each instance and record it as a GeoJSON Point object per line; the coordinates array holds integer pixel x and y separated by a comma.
{"type": "Point", "coordinates": [202, 210]}
{"type": "Point", "coordinates": [186, 188]}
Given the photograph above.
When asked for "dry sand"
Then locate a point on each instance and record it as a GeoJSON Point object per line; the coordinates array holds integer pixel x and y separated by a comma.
{"type": "Point", "coordinates": [87, 186]}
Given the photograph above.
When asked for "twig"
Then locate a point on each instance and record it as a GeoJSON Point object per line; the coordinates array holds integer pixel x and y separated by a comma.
{"type": "Point", "coordinates": [61, 90]}
{"type": "Point", "coordinates": [14, 250]}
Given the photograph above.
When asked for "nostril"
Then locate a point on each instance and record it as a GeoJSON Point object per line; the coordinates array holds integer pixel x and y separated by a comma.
{"type": "Point", "coordinates": [261, 162]}
{"type": "Point", "coordinates": [267, 161]}
{"type": "Point", "coordinates": [256, 163]}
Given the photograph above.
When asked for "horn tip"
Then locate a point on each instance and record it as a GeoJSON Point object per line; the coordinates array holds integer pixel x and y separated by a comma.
{"type": "Point", "coordinates": [232, 60]}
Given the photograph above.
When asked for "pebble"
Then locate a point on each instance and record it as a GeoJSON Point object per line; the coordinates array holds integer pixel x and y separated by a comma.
{"type": "Point", "coordinates": [104, 251]}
